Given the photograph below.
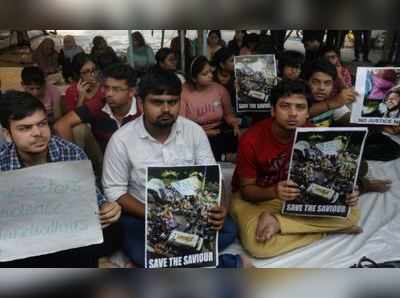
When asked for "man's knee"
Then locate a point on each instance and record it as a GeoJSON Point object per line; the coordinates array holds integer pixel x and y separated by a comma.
{"type": "Point", "coordinates": [133, 242]}
{"type": "Point", "coordinates": [228, 233]}
{"type": "Point", "coordinates": [80, 133]}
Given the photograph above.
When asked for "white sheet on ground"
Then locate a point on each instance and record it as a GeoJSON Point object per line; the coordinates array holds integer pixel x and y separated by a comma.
{"type": "Point", "coordinates": [380, 220]}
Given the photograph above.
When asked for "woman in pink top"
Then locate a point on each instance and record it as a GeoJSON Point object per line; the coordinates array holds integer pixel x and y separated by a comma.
{"type": "Point", "coordinates": [86, 86]}
{"type": "Point", "coordinates": [208, 104]}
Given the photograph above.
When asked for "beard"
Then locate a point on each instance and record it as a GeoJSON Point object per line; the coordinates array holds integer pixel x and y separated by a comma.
{"type": "Point", "coordinates": [165, 121]}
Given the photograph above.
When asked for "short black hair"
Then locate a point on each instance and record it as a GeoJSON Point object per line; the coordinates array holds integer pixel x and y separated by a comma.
{"type": "Point", "coordinates": [16, 105]}
{"type": "Point", "coordinates": [250, 38]}
{"type": "Point", "coordinates": [326, 49]}
{"type": "Point", "coordinates": [221, 56]}
{"type": "Point", "coordinates": [289, 87]}
{"type": "Point", "coordinates": [159, 83]}
{"type": "Point", "coordinates": [162, 54]}
{"type": "Point", "coordinates": [120, 71]}
{"type": "Point", "coordinates": [291, 58]}
{"type": "Point", "coordinates": [197, 66]}
{"type": "Point", "coordinates": [33, 75]}
{"type": "Point", "coordinates": [217, 32]}
{"type": "Point", "coordinates": [320, 65]}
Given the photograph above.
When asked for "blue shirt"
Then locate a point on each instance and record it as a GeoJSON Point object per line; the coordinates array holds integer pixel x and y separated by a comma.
{"type": "Point", "coordinates": [59, 150]}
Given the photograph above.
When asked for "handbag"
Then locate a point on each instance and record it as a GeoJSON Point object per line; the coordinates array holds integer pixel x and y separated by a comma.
{"type": "Point", "coordinates": [365, 262]}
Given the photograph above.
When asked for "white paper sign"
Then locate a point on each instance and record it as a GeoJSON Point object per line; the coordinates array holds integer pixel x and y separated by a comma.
{"type": "Point", "coordinates": [48, 208]}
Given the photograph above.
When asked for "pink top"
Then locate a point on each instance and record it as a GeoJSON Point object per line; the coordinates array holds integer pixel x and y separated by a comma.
{"type": "Point", "coordinates": [51, 98]}
{"type": "Point", "coordinates": [207, 107]}
{"type": "Point", "coordinates": [380, 88]}
{"type": "Point", "coordinates": [72, 95]}
{"type": "Point", "coordinates": [338, 86]}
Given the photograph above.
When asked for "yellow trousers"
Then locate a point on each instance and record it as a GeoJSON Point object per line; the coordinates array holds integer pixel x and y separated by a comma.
{"type": "Point", "coordinates": [296, 231]}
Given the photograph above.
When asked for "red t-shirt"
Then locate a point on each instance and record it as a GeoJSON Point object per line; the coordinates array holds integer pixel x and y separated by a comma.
{"type": "Point", "coordinates": [261, 156]}
{"type": "Point", "coordinates": [72, 95]}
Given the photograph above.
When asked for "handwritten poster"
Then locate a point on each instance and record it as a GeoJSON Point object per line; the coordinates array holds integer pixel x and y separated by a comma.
{"type": "Point", "coordinates": [48, 208]}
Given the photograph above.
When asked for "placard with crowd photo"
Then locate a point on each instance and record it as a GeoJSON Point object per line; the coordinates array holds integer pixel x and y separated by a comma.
{"type": "Point", "coordinates": [324, 164]}
{"type": "Point", "coordinates": [255, 77]}
{"type": "Point", "coordinates": [379, 96]}
{"type": "Point", "coordinates": [178, 234]}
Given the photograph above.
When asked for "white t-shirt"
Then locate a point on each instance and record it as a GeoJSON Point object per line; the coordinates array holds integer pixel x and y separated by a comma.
{"type": "Point", "coordinates": [132, 149]}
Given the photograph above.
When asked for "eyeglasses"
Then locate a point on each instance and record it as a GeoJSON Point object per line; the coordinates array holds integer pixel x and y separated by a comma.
{"type": "Point", "coordinates": [89, 71]}
{"type": "Point", "coordinates": [114, 89]}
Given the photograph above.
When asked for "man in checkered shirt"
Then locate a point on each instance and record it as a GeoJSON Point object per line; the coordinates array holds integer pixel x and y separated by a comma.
{"type": "Point", "coordinates": [31, 143]}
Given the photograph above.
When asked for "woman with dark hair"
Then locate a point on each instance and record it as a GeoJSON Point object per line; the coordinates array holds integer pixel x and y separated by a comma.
{"type": "Point", "coordinates": [46, 57]}
{"type": "Point", "coordinates": [67, 53]}
{"type": "Point", "coordinates": [250, 43]}
{"type": "Point", "coordinates": [102, 54]}
{"type": "Point", "coordinates": [237, 42]}
{"type": "Point", "coordinates": [208, 104]}
{"type": "Point", "coordinates": [166, 61]}
{"type": "Point", "coordinates": [224, 72]}
{"type": "Point", "coordinates": [290, 64]}
{"type": "Point", "coordinates": [86, 83]}
{"type": "Point", "coordinates": [343, 79]}
{"type": "Point", "coordinates": [175, 46]}
{"type": "Point", "coordinates": [141, 56]}
{"type": "Point", "coordinates": [214, 42]}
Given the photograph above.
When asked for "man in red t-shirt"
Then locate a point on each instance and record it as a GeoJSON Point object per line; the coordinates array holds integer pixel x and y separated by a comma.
{"type": "Point", "coordinates": [260, 182]}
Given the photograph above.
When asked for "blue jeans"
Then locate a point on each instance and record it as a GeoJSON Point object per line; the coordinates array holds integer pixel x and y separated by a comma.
{"type": "Point", "coordinates": [134, 241]}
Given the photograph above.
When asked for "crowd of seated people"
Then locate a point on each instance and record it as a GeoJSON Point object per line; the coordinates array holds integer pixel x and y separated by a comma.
{"type": "Point", "coordinates": [125, 117]}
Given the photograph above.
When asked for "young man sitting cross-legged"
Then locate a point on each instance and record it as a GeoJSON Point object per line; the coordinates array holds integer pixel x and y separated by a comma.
{"type": "Point", "coordinates": [260, 183]}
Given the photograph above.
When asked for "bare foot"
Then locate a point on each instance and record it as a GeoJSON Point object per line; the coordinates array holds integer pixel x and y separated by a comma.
{"type": "Point", "coordinates": [351, 230]}
{"type": "Point", "coordinates": [246, 262]}
{"type": "Point", "coordinates": [375, 185]}
{"type": "Point", "coordinates": [267, 227]}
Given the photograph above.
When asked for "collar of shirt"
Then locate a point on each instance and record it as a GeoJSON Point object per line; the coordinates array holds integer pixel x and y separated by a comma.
{"type": "Point", "coordinates": [144, 134]}
{"type": "Point", "coordinates": [54, 155]}
{"type": "Point", "coordinates": [132, 111]}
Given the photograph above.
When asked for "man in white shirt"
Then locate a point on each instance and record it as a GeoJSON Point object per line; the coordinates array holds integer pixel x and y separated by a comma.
{"type": "Point", "coordinates": [158, 138]}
